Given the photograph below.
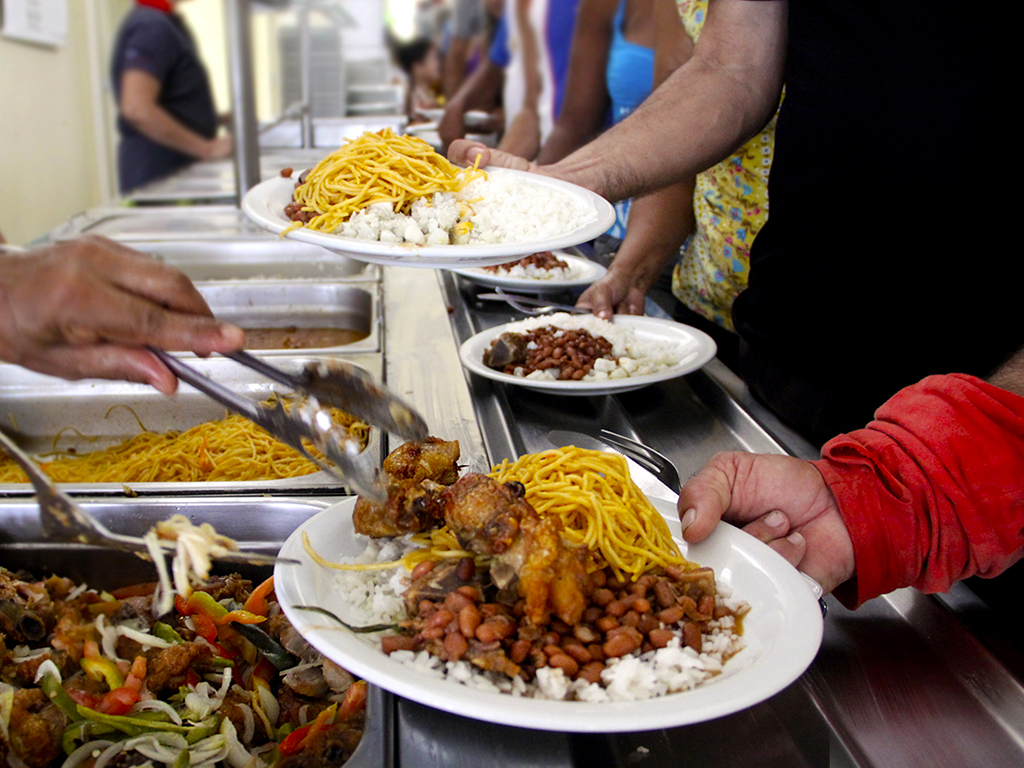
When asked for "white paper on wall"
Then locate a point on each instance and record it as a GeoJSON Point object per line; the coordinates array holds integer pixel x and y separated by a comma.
{"type": "Point", "coordinates": [36, 21]}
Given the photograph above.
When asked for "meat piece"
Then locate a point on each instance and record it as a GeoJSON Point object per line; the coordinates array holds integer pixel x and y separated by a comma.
{"type": "Point", "coordinates": [35, 728]}
{"type": "Point", "coordinates": [508, 349]}
{"type": "Point", "coordinates": [495, 519]}
{"type": "Point", "coordinates": [167, 667]}
{"type": "Point", "coordinates": [414, 474]}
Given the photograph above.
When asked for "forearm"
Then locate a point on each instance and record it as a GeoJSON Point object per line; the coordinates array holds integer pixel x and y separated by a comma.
{"type": "Point", "coordinates": [659, 224]}
{"type": "Point", "coordinates": [158, 125]}
{"type": "Point", "coordinates": [930, 490]}
{"type": "Point", "coordinates": [720, 97]}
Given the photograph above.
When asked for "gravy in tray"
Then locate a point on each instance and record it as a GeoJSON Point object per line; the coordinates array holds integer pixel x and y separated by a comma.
{"type": "Point", "coordinates": [301, 338]}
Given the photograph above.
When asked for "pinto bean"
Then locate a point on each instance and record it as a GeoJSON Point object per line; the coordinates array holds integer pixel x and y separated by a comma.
{"type": "Point", "coordinates": [672, 615]}
{"type": "Point", "coordinates": [584, 634]}
{"type": "Point", "coordinates": [664, 594]}
{"type": "Point", "coordinates": [455, 645]}
{"type": "Point", "coordinates": [519, 651]}
{"type": "Point", "coordinates": [607, 623]}
{"type": "Point", "coordinates": [565, 663]}
{"type": "Point", "coordinates": [660, 638]}
{"type": "Point", "coordinates": [465, 569]}
{"type": "Point", "coordinates": [577, 651]}
{"type": "Point", "coordinates": [691, 636]}
{"type": "Point", "coordinates": [469, 620]}
{"type": "Point", "coordinates": [602, 597]}
{"type": "Point", "coordinates": [441, 618]}
{"type": "Point", "coordinates": [621, 644]}
{"type": "Point", "coordinates": [455, 602]}
{"type": "Point", "coordinates": [421, 570]}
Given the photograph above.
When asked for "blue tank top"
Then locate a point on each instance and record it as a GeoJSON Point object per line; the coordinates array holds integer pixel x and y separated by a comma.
{"type": "Point", "coordinates": [630, 71]}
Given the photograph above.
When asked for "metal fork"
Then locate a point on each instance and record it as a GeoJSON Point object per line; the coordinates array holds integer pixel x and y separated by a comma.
{"type": "Point", "coordinates": [656, 463]}
{"type": "Point", "coordinates": [62, 519]}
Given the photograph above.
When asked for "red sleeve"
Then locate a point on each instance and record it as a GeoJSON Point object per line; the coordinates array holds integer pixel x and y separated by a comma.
{"type": "Point", "coordinates": [932, 490]}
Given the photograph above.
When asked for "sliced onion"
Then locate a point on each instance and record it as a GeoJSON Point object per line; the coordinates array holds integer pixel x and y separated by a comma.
{"type": "Point", "coordinates": [109, 754]}
{"type": "Point", "coordinates": [269, 703]}
{"type": "Point", "coordinates": [161, 746]}
{"type": "Point", "coordinates": [160, 706]}
{"type": "Point", "coordinates": [143, 638]}
{"type": "Point", "coordinates": [85, 751]}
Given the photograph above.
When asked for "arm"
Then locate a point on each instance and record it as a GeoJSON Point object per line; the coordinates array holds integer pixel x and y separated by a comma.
{"type": "Point", "coordinates": [660, 222]}
{"type": "Point", "coordinates": [522, 136]}
{"type": "Point", "coordinates": [479, 91]}
{"type": "Point", "coordinates": [586, 93]}
{"type": "Point", "coordinates": [909, 500]}
{"type": "Point", "coordinates": [87, 308]}
{"type": "Point", "coordinates": [140, 106]}
{"type": "Point", "coordinates": [721, 97]}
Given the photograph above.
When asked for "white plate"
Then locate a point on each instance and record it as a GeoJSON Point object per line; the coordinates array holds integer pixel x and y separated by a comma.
{"type": "Point", "coordinates": [697, 349]}
{"type": "Point", "coordinates": [587, 272]}
{"type": "Point", "coordinates": [782, 633]}
{"type": "Point", "coordinates": [265, 203]}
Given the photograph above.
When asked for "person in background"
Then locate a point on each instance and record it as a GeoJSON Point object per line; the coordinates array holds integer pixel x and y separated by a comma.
{"type": "Point", "coordinates": [166, 115]}
{"type": "Point", "coordinates": [87, 308]}
{"type": "Point", "coordinates": [851, 295]}
{"type": "Point", "coordinates": [729, 207]}
{"type": "Point", "coordinates": [472, 25]}
{"type": "Point", "coordinates": [527, 64]}
{"type": "Point", "coordinates": [927, 494]}
{"type": "Point", "coordinates": [611, 71]}
{"type": "Point", "coordinates": [421, 63]}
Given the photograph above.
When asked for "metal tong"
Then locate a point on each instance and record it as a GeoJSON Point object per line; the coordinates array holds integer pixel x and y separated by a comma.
{"type": "Point", "coordinates": [321, 383]}
{"type": "Point", "coordinates": [64, 520]}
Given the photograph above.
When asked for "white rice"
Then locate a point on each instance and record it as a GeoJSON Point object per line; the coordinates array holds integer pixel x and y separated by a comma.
{"type": "Point", "coordinates": [632, 355]}
{"type": "Point", "coordinates": [372, 597]}
{"type": "Point", "coordinates": [504, 208]}
{"type": "Point", "coordinates": [532, 272]}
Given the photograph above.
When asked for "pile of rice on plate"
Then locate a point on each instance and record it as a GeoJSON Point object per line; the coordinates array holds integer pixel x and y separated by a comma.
{"type": "Point", "coordinates": [503, 208]}
{"type": "Point", "coordinates": [375, 597]}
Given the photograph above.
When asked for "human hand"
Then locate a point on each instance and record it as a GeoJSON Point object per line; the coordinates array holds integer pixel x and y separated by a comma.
{"type": "Point", "coordinates": [87, 308]}
{"type": "Point", "coordinates": [613, 294]}
{"type": "Point", "coordinates": [780, 500]}
{"type": "Point", "coordinates": [220, 147]}
{"type": "Point", "coordinates": [465, 152]}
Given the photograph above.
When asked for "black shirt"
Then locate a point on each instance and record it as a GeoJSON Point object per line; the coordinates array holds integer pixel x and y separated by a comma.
{"type": "Point", "coordinates": [873, 269]}
{"type": "Point", "coordinates": [159, 43]}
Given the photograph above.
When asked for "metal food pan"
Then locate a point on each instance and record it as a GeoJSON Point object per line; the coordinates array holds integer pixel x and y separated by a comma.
{"type": "Point", "coordinates": [43, 411]}
{"type": "Point", "coordinates": [260, 524]}
{"type": "Point", "coordinates": [173, 222]}
{"type": "Point", "coordinates": [256, 259]}
{"type": "Point", "coordinates": [345, 309]}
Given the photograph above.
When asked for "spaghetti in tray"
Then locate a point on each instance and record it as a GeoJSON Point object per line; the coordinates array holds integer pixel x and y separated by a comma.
{"type": "Point", "coordinates": [229, 449]}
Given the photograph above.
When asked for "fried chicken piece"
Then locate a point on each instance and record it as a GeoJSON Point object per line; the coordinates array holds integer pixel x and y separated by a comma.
{"type": "Point", "coordinates": [495, 519]}
{"type": "Point", "coordinates": [414, 473]}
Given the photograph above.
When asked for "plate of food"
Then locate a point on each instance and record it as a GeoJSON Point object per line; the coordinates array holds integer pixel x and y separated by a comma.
{"type": "Point", "coordinates": [390, 199]}
{"type": "Point", "coordinates": [585, 355]}
{"type": "Point", "coordinates": [506, 614]}
{"type": "Point", "coordinates": [538, 273]}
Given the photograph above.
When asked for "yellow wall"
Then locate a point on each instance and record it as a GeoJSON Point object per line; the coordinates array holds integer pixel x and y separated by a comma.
{"type": "Point", "coordinates": [47, 158]}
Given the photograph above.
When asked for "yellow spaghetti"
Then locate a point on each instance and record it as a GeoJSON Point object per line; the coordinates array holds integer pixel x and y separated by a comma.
{"type": "Point", "coordinates": [380, 167]}
{"type": "Point", "coordinates": [599, 505]}
{"type": "Point", "coordinates": [229, 449]}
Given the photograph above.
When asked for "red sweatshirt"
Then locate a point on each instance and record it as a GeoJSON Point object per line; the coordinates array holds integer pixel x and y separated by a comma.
{"type": "Point", "coordinates": [932, 490]}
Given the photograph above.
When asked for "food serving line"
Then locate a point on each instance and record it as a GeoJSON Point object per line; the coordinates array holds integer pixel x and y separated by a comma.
{"type": "Point", "coordinates": [906, 680]}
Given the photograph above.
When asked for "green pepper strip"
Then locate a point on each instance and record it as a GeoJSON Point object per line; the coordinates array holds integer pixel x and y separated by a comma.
{"type": "Point", "coordinates": [131, 724]}
{"type": "Point", "coordinates": [167, 633]}
{"type": "Point", "coordinates": [55, 692]}
{"type": "Point", "coordinates": [82, 730]}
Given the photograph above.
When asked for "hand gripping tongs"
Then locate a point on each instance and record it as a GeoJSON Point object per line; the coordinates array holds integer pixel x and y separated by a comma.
{"type": "Point", "coordinates": [323, 382]}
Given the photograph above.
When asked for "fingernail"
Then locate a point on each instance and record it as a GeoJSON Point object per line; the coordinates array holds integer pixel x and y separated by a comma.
{"type": "Point", "coordinates": [687, 519]}
{"type": "Point", "coordinates": [775, 519]}
{"type": "Point", "coordinates": [795, 538]}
